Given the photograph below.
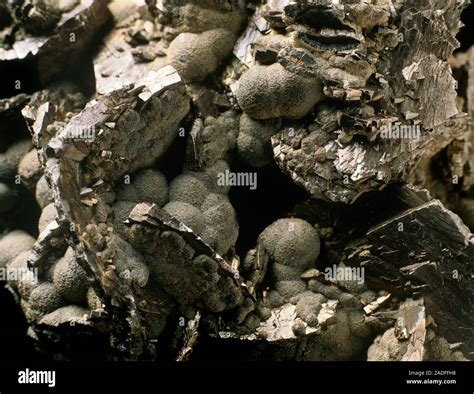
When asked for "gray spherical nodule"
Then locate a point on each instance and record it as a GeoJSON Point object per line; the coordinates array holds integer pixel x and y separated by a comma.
{"type": "Point", "coordinates": [221, 229]}
{"type": "Point", "coordinates": [188, 189]}
{"type": "Point", "coordinates": [69, 314]}
{"type": "Point", "coordinates": [129, 263]}
{"type": "Point", "coordinates": [199, 17]}
{"type": "Point", "coordinates": [121, 210]}
{"type": "Point", "coordinates": [266, 92]}
{"type": "Point", "coordinates": [48, 215]}
{"type": "Point", "coordinates": [45, 298]}
{"type": "Point", "coordinates": [70, 279]}
{"type": "Point", "coordinates": [187, 214]}
{"type": "Point", "coordinates": [299, 327]}
{"type": "Point", "coordinates": [17, 151]}
{"type": "Point", "coordinates": [14, 243]}
{"type": "Point", "coordinates": [195, 56]}
{"type": "Point", "coordinates": [218, 137]}
{"type": "Point", "coordinates": [212, 177]}
{"type": "Point", "coordinates": [275, 299]}
{"type": "Point", "coordinates": [43, 194]}
{"type": "Point", "coordinates": [292, 242]}
{"type": "Point", "coordinates": [254, 140]}
{"type": "Point", "coordinates": [284, 272]}
{"type": "Point", "coordinates": [290, 288]}
{"type": "Point", "coordinates": [206, 264]}
{"type": "Point", "coordinates": [214, 200]}
{"type": "Point", "coordinates": [30, 169]}
{"type": "Point", "coordinates": [308, 307]}
{"type": "Point", "coordinates": [146, 185]}
{"type": "Point", "coordinates": [264, 312]}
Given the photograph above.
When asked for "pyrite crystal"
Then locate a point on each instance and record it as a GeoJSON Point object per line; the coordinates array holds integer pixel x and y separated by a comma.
{"type": "Point", "coordinates": [285, 176]}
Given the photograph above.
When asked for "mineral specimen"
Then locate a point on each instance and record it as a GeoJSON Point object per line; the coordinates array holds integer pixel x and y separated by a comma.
{"type": "Point", "coordinates": [278, 175]}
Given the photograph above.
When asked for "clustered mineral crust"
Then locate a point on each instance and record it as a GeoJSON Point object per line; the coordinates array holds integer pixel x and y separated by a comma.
{"type": "Point", "coordinates": [121, 151]}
